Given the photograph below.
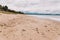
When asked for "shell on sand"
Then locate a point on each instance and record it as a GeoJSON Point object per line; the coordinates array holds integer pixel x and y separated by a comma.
{"type": "Point", "coordinates": [22, 27]}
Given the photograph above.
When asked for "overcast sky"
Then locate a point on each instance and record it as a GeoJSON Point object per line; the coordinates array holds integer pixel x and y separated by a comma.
{"type": "Point", "coordinates": [32, 5]}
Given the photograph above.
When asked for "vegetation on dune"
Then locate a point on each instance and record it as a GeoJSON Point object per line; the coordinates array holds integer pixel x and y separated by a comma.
{"type": "Point", "coordinates": [5, 9]}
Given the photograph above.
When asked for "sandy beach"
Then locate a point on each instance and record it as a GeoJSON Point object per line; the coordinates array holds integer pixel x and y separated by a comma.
{"type": "Point", "coordinates": [23, 27]}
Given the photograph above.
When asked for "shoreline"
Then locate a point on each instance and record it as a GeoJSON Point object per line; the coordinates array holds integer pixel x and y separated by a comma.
{"type": "Point", "coordinates": [54, 18]}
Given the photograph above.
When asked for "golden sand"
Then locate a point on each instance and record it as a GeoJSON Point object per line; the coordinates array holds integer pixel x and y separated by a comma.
{"type": "Point", "coordinates": [22, 27]}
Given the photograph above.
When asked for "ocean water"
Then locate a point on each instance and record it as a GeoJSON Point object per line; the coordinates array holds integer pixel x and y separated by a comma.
{"type": "Point", "coordinates": [51, 16]}
{"type": "Point", "coordinates": [55, 18]}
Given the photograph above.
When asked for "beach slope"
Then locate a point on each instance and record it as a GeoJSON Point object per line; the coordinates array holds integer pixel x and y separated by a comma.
{"type": "Point", "coordinates": [23, 27]}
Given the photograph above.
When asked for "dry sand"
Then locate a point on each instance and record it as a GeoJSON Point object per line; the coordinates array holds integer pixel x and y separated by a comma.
{"type": "Point", "coordinates": [22, 27]}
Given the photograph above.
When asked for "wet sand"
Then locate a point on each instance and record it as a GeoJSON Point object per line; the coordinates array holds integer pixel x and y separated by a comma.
{"type": "Point", "coordinates": [22, 27]}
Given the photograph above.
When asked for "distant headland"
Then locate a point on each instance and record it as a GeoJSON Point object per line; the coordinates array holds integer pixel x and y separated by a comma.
{"type": "Point", "coordinates": [6, 9]}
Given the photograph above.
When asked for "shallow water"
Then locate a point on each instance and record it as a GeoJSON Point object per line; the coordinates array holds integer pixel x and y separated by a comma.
{"type": "Point", "coordinates": [56, 18]}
